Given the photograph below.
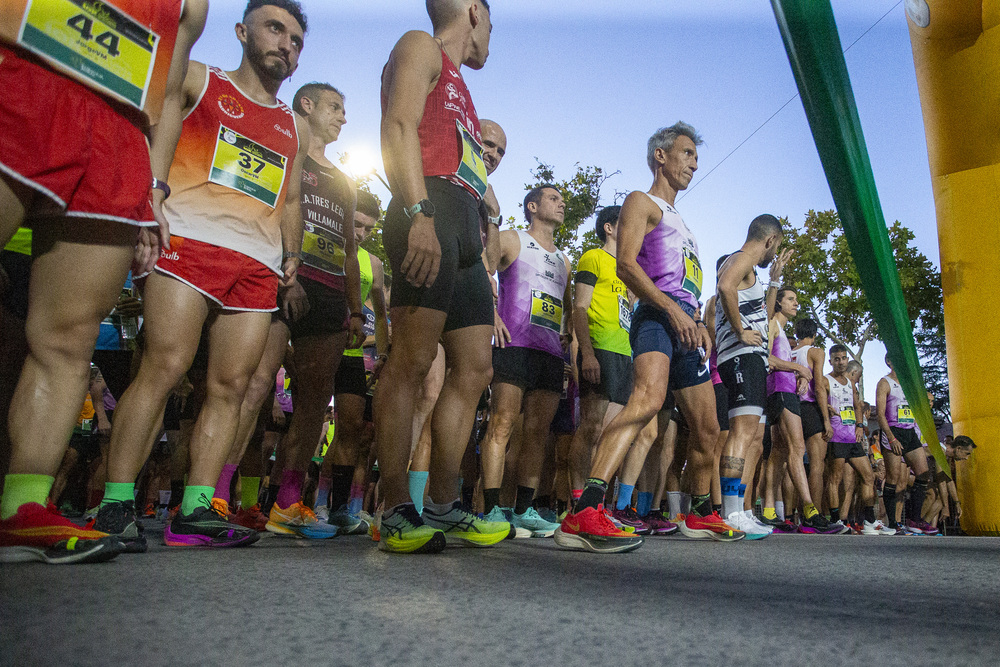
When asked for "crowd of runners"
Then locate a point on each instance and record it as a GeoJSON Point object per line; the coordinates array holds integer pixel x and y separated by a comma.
{"type": "Point", "coordinates": [184, 260]}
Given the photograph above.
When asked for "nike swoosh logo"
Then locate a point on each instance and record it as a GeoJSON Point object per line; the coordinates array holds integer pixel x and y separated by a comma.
{"type": "Point", "coordinates": [702, 372]}
{"type": "Point", "coordinates": [575, 527]}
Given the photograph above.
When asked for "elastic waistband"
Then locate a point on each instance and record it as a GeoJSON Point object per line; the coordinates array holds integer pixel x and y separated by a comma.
{"type": "Point", "coordinates": [685, 306]}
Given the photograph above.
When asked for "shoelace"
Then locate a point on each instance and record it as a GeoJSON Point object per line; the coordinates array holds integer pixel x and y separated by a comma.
{"type": "Point", "coordinates": [307, 513]}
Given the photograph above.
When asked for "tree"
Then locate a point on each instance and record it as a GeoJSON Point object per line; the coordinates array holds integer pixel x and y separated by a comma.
{"type": "Point", "coordinates": [829, 289]}
{"type": "Point", "coordinates": [934, 362]}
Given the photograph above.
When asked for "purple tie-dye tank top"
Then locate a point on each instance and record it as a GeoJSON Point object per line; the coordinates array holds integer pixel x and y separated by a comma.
{"type": "Point", "coordinates": [531, 296]}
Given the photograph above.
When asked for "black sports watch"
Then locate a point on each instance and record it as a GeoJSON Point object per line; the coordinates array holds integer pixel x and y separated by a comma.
{"type": "Point", "coordinates": [424, 207]}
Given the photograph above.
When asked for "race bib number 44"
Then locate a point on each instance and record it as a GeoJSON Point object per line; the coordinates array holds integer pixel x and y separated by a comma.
{"type": "Point", "coordinates": [546, 310]}
{"type": "Point", "coordinates": [244, 165]}
{"type": "Point", "coordinates": [692, 274]}
{"type": "Point", "coordinates": [95, 42]}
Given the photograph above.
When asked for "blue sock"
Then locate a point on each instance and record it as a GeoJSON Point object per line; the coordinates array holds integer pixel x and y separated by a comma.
{"type": "Point", "coordinates": [730, 495]}
{"type": "Point", "coordinates": [644, 504]}
{"type": "Point", "coordinates": [624, 495]}
{"type": "Point", "coordinates": [418, 484]}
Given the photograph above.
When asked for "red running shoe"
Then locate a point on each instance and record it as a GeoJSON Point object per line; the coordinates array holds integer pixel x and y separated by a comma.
{"type": "Point", "coordinates": [592, 530]}
{"type": "Point", "coordinates": [709, 527]}
{"type": "Point", "coordinates": [250, 518]}
{"type": "Point", "coordinates": [35, 534]}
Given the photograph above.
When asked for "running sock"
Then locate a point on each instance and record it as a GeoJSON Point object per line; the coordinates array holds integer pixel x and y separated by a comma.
{"type": "Point", "coordinates": [323, 491]}
{"type": "Point", "coordinates": [701, 505]}
{"type": "Point", "coordinates": [889, 498]}
{"type": "Point", "coordinates": [522, 501]}
{"type": "Point", "coordinates": [741, 493]}
{"type": "Point", "coordinates": [291, 488]}
{"type": "Point", "coordinates": [917, 495]}
{"type": "Point", "coordinates": [685, 503]}
{"type": "Point", "coordinates": [644, 503]}
{"type": "Point", "coordinates": [176, 493]}
{"type": "Point", "coordinates": [195, 497]}
{"type": "Point", "coordinates": [164, 498]}
{"type": "Point", "coordinates": [340, 486]}
{"type": "Point", "coordinates": [19, 489]}
{"type": "Point", "coordinates": [731, 499]}
{"type": "Point", "coordinates": [561, 506]}
{"type": "Point", "coordinates": [673, 503]}
{"type": "Point", "coordinates": [491, 498]}
{"type": "Point", "coordinates": [249, 491]}
{"type": "Point", "coordinates": [779, 508]}
{"type": "Point", "coordinates": [272, 493]}
{"type": "Point", "coordinates": [810, 510]}
{"type": "Point", "coordinates": [439, 508]}
{"type": "Point", "coordinates": [717, 508]}
{"type": "Point", "coordinates": [467, 494]}
{"type": "Point", "coordinates": [870, 514]}
{"type": "Point", "coordinates": [624, 496]}
{"type": "Point", "coordinates": [770, 514]}
{"type": "Point", "coordinates": [357, 500]}
{"type": "Point", "coordinates": [117, 492]}
{"type": "Point", "coordinates": [543, 501]}
{"type": "Point", "coordinates": [222, 487]}
{"type": "Point", "coordinates": [834, 514]}
{"type": "Point", "coordinates": [592, 495]}
{"type": "Point", "coordinates": [417, 480]}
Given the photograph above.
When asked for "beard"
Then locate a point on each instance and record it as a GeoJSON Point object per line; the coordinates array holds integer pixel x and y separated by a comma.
{"type": "Point", "coordinates": [276, 69]}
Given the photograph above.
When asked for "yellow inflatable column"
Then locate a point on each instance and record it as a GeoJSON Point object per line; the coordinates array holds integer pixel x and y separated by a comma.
{"type": "Point", "coordinates": [956, 51]}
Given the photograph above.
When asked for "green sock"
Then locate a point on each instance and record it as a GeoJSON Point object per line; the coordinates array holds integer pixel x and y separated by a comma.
{"type": "Point", "coordinates": [195, 497]}
{"type": "Point", "coordinates": [115, 492]}
{"type": "Point", "coordinates": [21, 489]}
{"type": "Point", "coordinates": [811, 511]}
{"type": "Point", "coordinates": [249, 490]}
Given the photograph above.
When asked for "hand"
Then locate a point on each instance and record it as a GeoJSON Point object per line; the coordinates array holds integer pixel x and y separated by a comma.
{"type": "Point", "coordinates": [803, 372]}
{"type": "Point", "coordinates": [859, 434]}
{"type": "Point", "coordinates": [591, 369]}
{"type": "Point", "coordinates": [294, 302]}
{"type": "Point", "coordinates": [423, 254]}
{"type": "Point", "coordinates": [377, 368]}
{"type": "Point", "coordinates": [778, 265]}
{"type": "Point", "coordinates": [147, 251]}
{"type": "Point", "coordinates": [277, 414]}
{"type": "Point", "coordinates": [129, 306]}
{"type": "Point", "coordinates": [684, 326]}
{"type": "Point", "coordinates": [827, 430]}
{"type": "Point", "coordinates": [564, 341]}
{"type": "Point", "coordinates": [103, 426]}
{"type": "Point", "coordinates": [958, 510]}
{"type": "Point", "coordinates": [897, 448]}
{"type": "Point", "coordinates": [705, 343]}
{"type": "Point", "coordinates": [800, 386]}
{"type": "Point", "coordinates": [290, 270]}
{"type": "Point", "coordinates": [501, 336]}
{"type": "Point", "coordinates": [751, 337]}
{"type": "Point", "coordinates": [492, 205]}
{"type": "Point", "coordinates": [355, 332]}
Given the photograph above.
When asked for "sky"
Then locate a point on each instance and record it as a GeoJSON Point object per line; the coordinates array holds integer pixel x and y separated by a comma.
{"type": "Point", "coordinates": [588, 81]}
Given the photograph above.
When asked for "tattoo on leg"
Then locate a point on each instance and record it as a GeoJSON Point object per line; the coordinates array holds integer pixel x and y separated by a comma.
{"type": "Point", "coordinates": [732, 464]}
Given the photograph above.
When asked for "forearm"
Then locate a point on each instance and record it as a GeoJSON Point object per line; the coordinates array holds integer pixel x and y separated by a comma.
{"type": "Point", "coordinates": [776, 364]}
{"type": "Point", "coordinates": [581, 325]}
{"type": "Point", "coordinates": [491, 252]}
{"type": "Point", "coordinates": [291, 225]}
{"type": "Point", "coordinates": [644, 288]}
{"type": "Point", "coordinates": [405, 168]}
{"type": "Point", "coordinates": [352, 279]}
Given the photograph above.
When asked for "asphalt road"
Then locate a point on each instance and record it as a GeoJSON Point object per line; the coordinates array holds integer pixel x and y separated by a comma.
{"type": "Point", "coordinates": [785, 600]}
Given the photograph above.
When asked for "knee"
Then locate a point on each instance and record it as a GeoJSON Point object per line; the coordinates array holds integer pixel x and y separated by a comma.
{"type": "Point", "coordinates": [50, 337]}
{"type": "Point", "coordinates": [258, 389]}
{"type": "Point", "coordinates": [411, 364]}
{"type": "Point", "coordinates": [923, 479]}
{"type": "Point", "coordinates": [230, 387]}
{"type": "Point", "coordinates": [501, 425]}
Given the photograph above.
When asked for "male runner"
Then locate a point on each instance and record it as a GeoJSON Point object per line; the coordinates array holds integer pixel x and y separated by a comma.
{"type": "Point", "coordinates": [848, 442]}
{"type": "Point", "coordinates": [902, 448]}
{"type": "Point", "coordinates": [432, 154]}
{"type": "Point", "coordinates": [783, 414]}
{"type": "Point", "coordinates": [815, 411]}
{"type": "Point", "coordinates": [535, 305]}
{"type": "Point", "coordinates": [239, 156]}
{"type": "Point", "coordinates": [741, 309]}
{"type": "Point", "coordinates": [658, 262]}
{"type": "Point", "coordinates": [75, 167]}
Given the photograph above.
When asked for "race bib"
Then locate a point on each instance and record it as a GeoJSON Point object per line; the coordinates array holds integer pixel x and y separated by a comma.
{"type": "Point", "coordinates": [97, 43]}
{"type": "Point", "coordinates": [692, 274]}
{"type": "Point", "coordinates": [546, 310]}
{"type": "Point", "coordinates": [323, 249]}
{"type": "Point", "coordinates": [241, 164]}
{"type": "Point", "coordinates": [904, 415]}
{"type": "Point", "coordinates": [472, 169]}
{"type": "Point", "coordinates": [847, 416]}
{"type": "Point", "coordinates": [624, 313]}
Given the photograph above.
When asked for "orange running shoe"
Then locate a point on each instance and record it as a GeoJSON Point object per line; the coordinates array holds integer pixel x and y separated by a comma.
{"type": "Point", "coordinates": [150, 511]}
{"type": "Point", "coordinates": [35, 534]}
{"type": "Point", "coordinates": [250, 518]}
{"type": "Point", "coordinates": [592, 530]}
{"type": "Point", "coordinates": [708, 527]}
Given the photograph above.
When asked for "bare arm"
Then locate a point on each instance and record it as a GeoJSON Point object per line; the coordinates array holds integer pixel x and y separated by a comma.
{"type": "Point", "coordinates": [566, 328]}
{"type": "Point", "coordinates": [378, 305]}
{"type": "Point", "coordinates": [735, 271]}
{"type": "Point", "coordinates": [96, 389]}
{"type": "Point", "coordinates": [491, 249]}
{"type": "Point", "coordinates": [881, 394]}
{"type": "Point", "coordinates": [291, 213]}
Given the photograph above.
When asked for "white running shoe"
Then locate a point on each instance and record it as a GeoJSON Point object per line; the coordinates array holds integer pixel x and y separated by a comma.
{"type": "Point", "coordinates": [877, 528]}
{"type": "Point", "coordinates": [740, 521]}
{"type": "Point", "coordinates": [756, 520]}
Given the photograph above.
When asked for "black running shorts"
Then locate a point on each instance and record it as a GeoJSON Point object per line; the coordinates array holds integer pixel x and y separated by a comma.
{"type": "Point", "coordinates": [780, 401]}
{"type": "Point", "coordinates": [351, 377]}
{"type": "Point", "coordinates": [528, 369]}
{"type": "Point", "coordinates": [846, 450]}
{"type": "Point", "coordinates": [722, 406]}
{"type": "Point", "coordinates": [745, 379]}
{"type": "Point", "coordinates": [907, 437]}
{"type": "Point", "coordinates": [327, 313]}
{"type": "Point", "coordinates": [616, 376]}
{"type": "Point", "coordinates": [812, 419]}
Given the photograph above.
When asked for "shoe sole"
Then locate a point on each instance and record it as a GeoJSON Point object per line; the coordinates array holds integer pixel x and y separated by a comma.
{"type": "Point", "coordinates": [181, 540]}
{"type": "Point", "coordinates": [582, 543]}
{"type": "Point", "coordinates": [665, 532]}
{"type": "Point", "coordinates": [478, 539]}
{"type": "Point", "coordinates": [106, 549]}
{"type": "Point", "coordinates": [432, 545]}
{"type": "Point", "coordinates": [706, 533]}
{"type": "Point", "coordinates": [522, 533]}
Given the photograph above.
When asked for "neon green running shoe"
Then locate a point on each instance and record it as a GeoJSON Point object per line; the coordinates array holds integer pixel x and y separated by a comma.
{"type": "Point", "coordinates": [463, 526]}
{"type": "Point", "coordinates": [402, 531]}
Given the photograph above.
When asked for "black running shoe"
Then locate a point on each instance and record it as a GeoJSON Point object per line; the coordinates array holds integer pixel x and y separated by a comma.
{"type": "Point", "coordinates": [205, 527]}
{"type": "Point", "coordinates": [118, 519]}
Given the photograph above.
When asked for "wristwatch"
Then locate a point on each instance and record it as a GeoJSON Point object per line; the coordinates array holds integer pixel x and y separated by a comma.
{"type": "Point", "coordinates": [424, 207]}
{"type": "Point", "coordinates": [162, 186]}
{"type": "Point", "coordinates": [289, 255]}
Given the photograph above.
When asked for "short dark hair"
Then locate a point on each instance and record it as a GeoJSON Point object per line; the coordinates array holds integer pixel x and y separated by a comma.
{"type": "Point", "coordinates": [534, 196]}
{"type": "Point", "coordinates": [837, 348]}
{"type": "Point", "coordinates": [805, 328]}
{"type": "Point", "coordinates": [963, 441]}
{"type": "Point", "coordinates": [607, 216]}
{"type": "Point", "coordinates": [368, 204]}
{"type": "Point", "coordinates": [781, 295]}
{"type": "Point", "coordinates": [763, 226]}
{"type": "Point", "coordinates": [291, 6]}
{"type": "Point", "coordinates": [312, 91]}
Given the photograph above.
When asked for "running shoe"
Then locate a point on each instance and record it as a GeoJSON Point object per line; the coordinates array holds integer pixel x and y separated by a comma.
{"type": "Point", "coordinates": [592, 530]}
{"type": "Point", "coordinates": [781, 526]}
{"type": "Point", "coordinates": [837, 527]}
{"type": "Point", "coordinates": [500, 514]}
{"type": "Point", "coordinates": [322, 512]}
{"type": "Point", "coordinates": [222, 507]}
{"type": "Point", "coordinates": [628, 517]}
{"type": "Point", "coordinates": [250, 518]}
{"type": "Point", "coordinates": [52, 509]}
{"type": "Point", "coordinates": [618, 524]}
{"type": "Point", "coordinates": [548, 514]}
{"type": "Point", "coordinates": [402, 531]}
{"type": "Point", "coordinates": [532, 524]}
{"type": "Point", "coordinates": [659, 525]}
{"type": "Point", "coordinates": [460, 525]}
{"type": "Point", "coordinates": [709, 527]}
{"type": "Point", "coordinates": [921, 528]}
{"type": "Point", "coordinates": [150, 511]}
{"type": "Point", "coordinates": [35, 534]}
{"type": "Point", "coordinates": [745, 524]}
{"type": "Point", "coordinates": [118, 519]}
{"type": "Point", "coordinates": [206, 527]}
{"type": "Point", "coordinates": [347, 523]}
{"type": "Point", "coordinates": [877, 528]}
{"type": "Point", "coordinates": [820, 524]}
{"type": "Point", "coordinates": [298, 521]}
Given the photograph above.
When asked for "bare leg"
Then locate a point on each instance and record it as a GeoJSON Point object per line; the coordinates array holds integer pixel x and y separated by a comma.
{"type": "Point", "coordinates": [420, 459]}
{"type": "Point", "coordinates": [505, 407]}
{"type": "Point", "coordinates": [698, 406]}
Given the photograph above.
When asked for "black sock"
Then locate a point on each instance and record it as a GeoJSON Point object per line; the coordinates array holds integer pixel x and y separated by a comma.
{"type": "Point", "coordinates": [340, 486]}
{"type": "Point", "coordinates": [870, 514]}
{"type": "Point", "coordinates": [543, 501]}
{"type": "Point", "coordinates": [176, 493]}
{"type": "Point", "coordinates": [272, 495]}
{"type": "Point", "coordinates": [834, 514]}
{"type": "Point", "coordinates": [889, 498]}
{"type": "Point", "coordinates": [561, 506]}
{"type": "Point", "coordinates": [717, 508]}
{"type": "Point", "coordinates": [917, 496]}
{"type": "Point", "coordinates": [467, 494]}
{"type": "Point", "coordinates": [491, 498]}
{"type": "Point", "coordinates": [522, 502]}
{"type": "Point", "coordinates": [701, 505]}
{"type": "Point", "coordinates": [593, 494]}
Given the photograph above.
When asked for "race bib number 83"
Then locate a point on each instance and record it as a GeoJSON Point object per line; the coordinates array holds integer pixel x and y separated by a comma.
{"type": "Point", "coordinates": [241, 164]}
{"type": "Point", "coordinates": [546, 310]}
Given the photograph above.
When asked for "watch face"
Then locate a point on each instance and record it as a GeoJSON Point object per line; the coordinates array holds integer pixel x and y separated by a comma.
{"type": "Point", "coordinates": [427, 208]}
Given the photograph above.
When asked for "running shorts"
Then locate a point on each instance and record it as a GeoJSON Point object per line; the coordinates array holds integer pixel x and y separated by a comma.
{"type": "Point", "coordinates": [528, 369]}
{"type": "Point", "coordinates": [780, 401]}
{"type": "Point", "coordinates": [230, 279]}
{"type": "Point", "coordinates": [907, 437]}
{"type": "Point", "coordinates": [86, 154]}
{"type": "Point", "coordinates": [327, 313]}
{"type": "Point", "coordinates": [745, 379]}
{"type": "Point", "coordinates": [616, 376]}
{"type": "Point", "coordinates": [462, 288]}
{"type": "Point", "coordinates": [846, 450]}
{"type": "Point", "coordinates": [812, 419]}
{"type": "Point", "coordinates": [351, 378]}
{"type": "Point", "coordinates": [17, 266]}
{"type": "Point", "coordinates": [567, 416]}
{"type": "Point", "coordinates": [651, 332]}
{"type": "Point", "coordinates": [722, 406]}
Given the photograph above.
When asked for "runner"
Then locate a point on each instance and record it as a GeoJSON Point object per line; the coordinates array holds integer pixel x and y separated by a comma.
{"type": "Point", "coordinates": [75, 167]}
{"type": "Point", "coordinates": [432, 154]}
{"type": "Point", "coordinates": [657, 258]}
{"type": "Point", "coordinates": [535, 305]}
{"type": "Point", "coordinates": [813, 405]}
{"type": "Point", "coordinates": [238, 158]}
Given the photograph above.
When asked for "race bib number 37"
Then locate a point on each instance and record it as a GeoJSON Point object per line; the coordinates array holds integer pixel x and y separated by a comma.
{"type": "Point", "coordinates": [546, 310]}
{"type": "Point", "coordinates": [95, 42]}
{"type": "Point", "coordinates": [241, 164]}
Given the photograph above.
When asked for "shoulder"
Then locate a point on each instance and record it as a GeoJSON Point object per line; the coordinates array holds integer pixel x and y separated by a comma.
{"type": "Point", "coordinates": [590, 261]}
{"type": "Point", "coordinates": [417, 44]}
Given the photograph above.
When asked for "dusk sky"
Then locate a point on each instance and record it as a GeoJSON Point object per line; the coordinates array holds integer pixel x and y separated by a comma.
{"type": "Point", "coordinates": [588, 81]}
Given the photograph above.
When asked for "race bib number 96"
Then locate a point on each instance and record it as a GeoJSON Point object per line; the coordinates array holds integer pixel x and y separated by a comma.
{"type": "Point", "coordinates": [241, 164]}
{"type": "Point", "coordinates": [546, 310]}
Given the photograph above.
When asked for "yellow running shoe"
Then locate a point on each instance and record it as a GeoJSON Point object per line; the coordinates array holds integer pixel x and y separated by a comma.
{"type": "Point", "coordinates": [402, 531]}
{"type": "Point", "coordinates": [462, 526]}
{"type": "Point", "coordinates": [298, 520]}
